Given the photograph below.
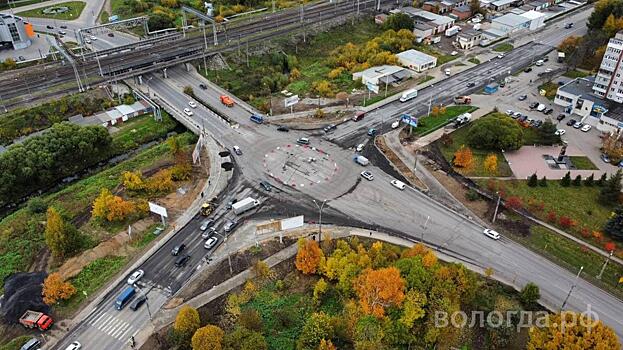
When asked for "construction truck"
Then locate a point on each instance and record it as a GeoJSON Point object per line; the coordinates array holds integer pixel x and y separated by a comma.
{"type": "Point", "coordinates": [462, 100]}
{"type": "Point", "coordinates": [206, 209]}
{"type": "Point", "coordinates": [34, 319]}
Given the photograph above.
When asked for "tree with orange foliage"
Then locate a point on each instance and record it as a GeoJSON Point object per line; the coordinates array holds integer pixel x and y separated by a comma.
{"type": "Point", "coordinates": [326, 345]}
{"type": "Point", "coordinates": [569, 330]}
{"type": "Point", "coordinates": [463, 158]}
{"type": "Point", "coordinates": [430, 259]}
{"type": "Point", "coordinates": [610, 246]}
{"type": "Point", "coordinates": [111, 208]}
{"type": "Point", "coordinates": [435, 111]}
{"type": "Point", "coordinates": [55, 289]}
{"type": "Point", "coordinates": [416, 250]}
{"type": "Point", "coordinates": [308, 256]}
{"type": "Point", "coordinates": [379, 289]}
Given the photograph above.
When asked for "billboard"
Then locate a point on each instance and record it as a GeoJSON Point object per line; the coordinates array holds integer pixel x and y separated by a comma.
{"type": "Point", "coordinates": [372, 87]}
{"type": "Point", "coordinates": [291, 101]}
{"type": "Point", "coordinates": [155, 208]}
{"type": "Point", "coordinates": [409, 120]}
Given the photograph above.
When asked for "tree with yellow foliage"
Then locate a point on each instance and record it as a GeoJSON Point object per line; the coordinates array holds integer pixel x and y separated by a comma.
{"type": "Point", "coordinates": [308, 256]}
{"type": "Point", "coordinates": [60, 236]}
{"type": "Point", "coordinates": [208, 338]}
{"type": "Point", "coordinates": [379, 289]}
{"type": "Point", "coordinates": [133, 180]}
{"type": "Point", "coordinates": [430, 259]}
{"type": "Point", "coordinates": [463, 158]}
{"type": "Point", "coordinates": [111, 208]}
{"type": "Point", "coordinates": [55, 289]}
{"type": "Point", "coordinates": [435, 111]}
{"type": "Point", "coordinates": [569, 330]}
{"type": "Point", "coordinates": [326, 345]}
{"type": "Point", "coordinates": [491, 164]}
{"type": "Point", "coordinates": [294, 74]}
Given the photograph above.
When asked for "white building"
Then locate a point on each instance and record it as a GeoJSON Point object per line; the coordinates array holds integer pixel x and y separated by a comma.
{"type": "Point", "coordinates": [14, 30]}
{"type": "Point", "coordinates": [537, 19]}
{"type": "Point", "coordinates": [468, 38]}
{"type": "Point", "coordinates": [416, 60]}
{"type": "Point", "coordinates": [437, 22]}
{"type": "Point", "coordinates": [578, 98]}
{"type": "Point", "coordinates": [609, 83]}
{"type": "Point", "coordinates": [381, 75]}
{"type": "Point", "coordinates": [510, 23]}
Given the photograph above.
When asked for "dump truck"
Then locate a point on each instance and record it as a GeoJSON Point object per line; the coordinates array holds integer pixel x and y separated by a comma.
{"type": "Point", "coordinates": [462, 100]}
{"type": "Point", "coordinates": [206, 209]}
{"type": "Point", "coordinates": [35, 319]}
{"type": "Point", "coordinates": [244, 205]}
{"type": "Point", "coordinates": [361, 160]}
{"type": "Point", "coordinates": [227, 101]}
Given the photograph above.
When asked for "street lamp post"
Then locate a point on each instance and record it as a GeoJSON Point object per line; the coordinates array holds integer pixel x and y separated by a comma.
{"type": "Point", "coordinates": [320, 207]}
{"type": "Point", "coordinates": [495, 213]}
{"type": "Point", "coordinates": [224, 237]}
{"type": "Point", "coordinates": [146, 302]}
{"type": "Point", "coordinates": [572, 287]}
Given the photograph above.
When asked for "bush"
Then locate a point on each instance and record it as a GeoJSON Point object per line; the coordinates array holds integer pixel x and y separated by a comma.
{"type": "Point", "coordinates": [566, 222]}
{"type": "Point", "coordinates": [566, 180]}
{"type": "Point", "coordinates": [551, 216]}
{"type": "Point", "coordinates": [529, 295]}
{"type": "Point", "coordinates": [514, 202]}
{"type": "Point", "coordinates": [496, 132]}
{"type": "Point", "coordinates": [472, 195]}
{"type": "Point", "coordinates": [36, 205]}
{"type": "Point", "coordinates": [577, 181]}
{"type": "Point", "coordinates": [589, 181]}
{"type": "Point", "coordinates": [532, 180]}
{"type": "Point", "coordinates": [543, 182]}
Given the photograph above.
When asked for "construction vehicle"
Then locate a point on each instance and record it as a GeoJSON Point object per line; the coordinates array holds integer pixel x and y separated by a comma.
{"type": "Point", "coordinates": [34, 319]}
{"type": "Point", "coordinates": [206, 209]}
{"type": "Point", "coordinates": [462, 100]}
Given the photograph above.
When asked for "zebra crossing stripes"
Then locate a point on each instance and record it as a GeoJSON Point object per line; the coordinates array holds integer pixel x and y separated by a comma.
{"type": "Point", "coordinates": [111, 325]}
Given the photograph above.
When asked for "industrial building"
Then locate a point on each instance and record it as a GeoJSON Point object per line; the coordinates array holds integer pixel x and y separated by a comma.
{"type": "Point", "coordinates": [15, 32]}
{"type": "Point", "coordinates": [416, 60]}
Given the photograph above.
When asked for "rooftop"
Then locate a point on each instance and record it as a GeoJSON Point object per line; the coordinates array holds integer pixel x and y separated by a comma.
{"type": "Point", "coordinates": [498, 3]}
{"type": "Point", "coordinates": [422, 26]}
{"type": "Point", "coordinates": [463, 8]}
{"type": "Point", "coordinates": [511, 20]}
{"type": "Point", "coordinates": [469, 34]}
{"type": "Point", "coordinates": [582, 87]}
{"type": "Point", "coordinates": [426, 16]}
{"type": "Point", "coordinates": [533, 14]}
{"type": "Point", "coordinates": [416, 56]}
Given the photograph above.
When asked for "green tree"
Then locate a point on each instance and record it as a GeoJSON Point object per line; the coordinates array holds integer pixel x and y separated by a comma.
{"type": "Point", "coordinates": [369, 333]}
{"type": "Point", "coordinates": [530, 295]}
{"type": "Point", "coordinates": [398, 21]}
{"type": "Point", "coordinates": [317, 327]}
{"type": "Point", "coordinates": [566, 180]}
{"type": "Point", "coordinates": [244, 339]}
{"type": "Point", "coordinates": [496, 132]}
{"type": "Point", "coordinates": [589, 181]}
{"type": "Point", "coordinates": [577, 181]}
{"type": "Point", "coordinates": [602, 180]}
{"type": "Point", "coordinates": [547, 133]}
{"type": "Point", "coordinates": [614, 225]}
{"type": "Point", "coordinates": [543, 182]}
{"type": "Point", "coordinates": [36, 205]}
{"type": "Point", "coordinates": [208, 338]}
{"type": "Point", "coordinates": [610, 26]}
{"type": "Point", "coordinates": [611, 190]}
{"type": "Point", "coordinates": [250, 319]}
{"type": "Point", "coordinates": [62, 238]}
{"type": "Point", "coordinates": [533, 180]}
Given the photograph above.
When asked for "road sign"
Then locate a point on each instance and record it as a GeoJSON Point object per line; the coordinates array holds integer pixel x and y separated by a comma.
{"type": "Point", "coordinates": [409, 119]}
{"type": "Point", "coordinates": [155, 208]}
{"type": "Point", "coordinates": [291, 101]}
{"type": "Point", "coordinates": [372, 87]}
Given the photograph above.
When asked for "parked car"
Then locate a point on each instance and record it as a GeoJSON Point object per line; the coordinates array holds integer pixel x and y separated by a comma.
{"type": "Point", "coordinates": [49, 27]}
{"type": "Point", "coordinates": [359, 147]}
{"type": "Point", "coordinates": [491, 233]}
{"type": "Point", "coordinates": [367, 175]}
{"type": "Point", "coordinates": [135, 276]}
{"type": "Point", "coordinates": [537, 123]}
{"type": "Point", "coordinates": [266, 186]}
{"type": "Point", "coordinates": [578, 125]}
{"type": "Point", "coordinates": [523, 97]}
{"type": "Point", "coordinates": [523, 118]}
{"type": "Point", "coordinates": [395, 124]}
{"type": "Point", "coordinates": [561, 117]}
{"type": "Point", "coordinates": [111, 34]}
{"type": "Point", "coordinates": [210, 243]}
{"type": "Point", "coordinates": [528, 70]}
{"type": "Point", "coordinates": [178, 249]}
{"type": "Point", "coordinates": [74, 346]}
{"type": "Point", "coordinates": [571, 122]}
{"type": "Point", "coordinates": [516, 115]}
{"type": "Point", "coordinates": [237, 150]}
{"type": "Point", "coordinates": [510, 112]}
{"type": "Point", "coordinates": [586, 128]}
{"type": "Point", "coordinates": [605, 158]}
{"type": "Point", "coordinates": [533, 105]}
{"type": "Point", "coordinates": [560, 132]}
{"type": "Point", "coordinates": [62, 32]}
{"type": "Point", "coordinates": [303, 141]}
{"type": "Point", "coordinates": [548, 111]}
{"type": "Point", "coordinates": [283, 128]}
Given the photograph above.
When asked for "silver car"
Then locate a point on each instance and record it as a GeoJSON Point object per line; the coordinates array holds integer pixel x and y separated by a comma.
{"type": "Point", "coordinates": [204, 226]}
{"type": "Point", "coordinates": [210, 243]}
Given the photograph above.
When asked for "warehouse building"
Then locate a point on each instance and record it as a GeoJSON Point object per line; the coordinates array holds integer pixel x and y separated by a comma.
{"type": "Point", "coordinates": [416, 60]}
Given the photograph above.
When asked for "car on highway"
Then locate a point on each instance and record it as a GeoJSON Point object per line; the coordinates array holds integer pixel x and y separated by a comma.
{"type": "Point", "coordinates": [229, 225]}
{"type": "Point", "coordinates": [62, 32]}
{"type": "Point", "coordinates": [140, 300]}
{"type": "Point", "coordinates": [203, 86]}
{"type": "Point", "coordinates": [491, 233]}
{"type": "Point", "coordinates": [471, 84]}
{"type": "Point", "coordinates": [210, 243]}
{"type": "Point", "coordinates": [111, 34]}
{"type": "Point", "coordinates": [604, 158]}
{"type": "Point", "coordinates": [398, 184]}
{"type": "Point", "coordinates": [367, 175]}
{"type": "Point", "coordinates": [372, 132]}
{"type": "Point", "coordinates": [539, 63]}
{"type": "Point", "coordinates": [359, 147]}
{"type": "Point", "coordinates": [49, 27]}
{"type": "Point", "coordinates": [578, 125]}
{"type": "Point", "coordinates": [178, 249]}
{"type": "Point", "coordinates": [586, 128]}
{"type": "Point", "coordinates": [237, 150]}
{"type": "Point", "coordinates": [205, 224]}
{"type": "Point", "coordinates": [188, 112]}
{"type": "Point", "coordinates": [329, 128]}
{"type": "Point", "coordinates": [571, 122]}
{"type": "Point", "coordinates": [93, 37]}
{"type": "Point", "coordinates": [135, 276]}
{"type": "Point", "coordinates": [192, 104]}
{"type": "Point", "coordinates": [303, 141]}
{"type": "Point", "coordinates": [395, 124]}
{"type": "Point", "coordinates": [560, 132]}
{"type": "Point", "coordinates": [227, 101]}
{"type": "Point", "coordinates": [182, 260]}
{"type": "Point", "coordinates": [522, 97]}
{"type": "Point", "coordinates": [74, 346]}
{"type": "Point", "coordinates": [266, 186]}
{"type": "Point", "coordinates": [561, 116]}
{"type": "Point", "coordinates": [569, 25]}
{"type": "Point", "coordinates": [283, 128]}
{"type": "Point", "coordinates": [209, 233]}
{"type": "Point", "coordinates": [501, 55]}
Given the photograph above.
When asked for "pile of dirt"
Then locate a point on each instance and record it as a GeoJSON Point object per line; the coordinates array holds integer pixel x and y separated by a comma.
{"type": "Point", "coordinates": [22, 291]}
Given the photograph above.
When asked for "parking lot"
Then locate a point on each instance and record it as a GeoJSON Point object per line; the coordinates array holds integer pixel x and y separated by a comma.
{"type": "Point", "coordinates": [507, 98]}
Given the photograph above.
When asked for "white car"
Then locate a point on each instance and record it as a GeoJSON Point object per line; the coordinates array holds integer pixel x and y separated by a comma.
{"type": "Point", "coordinates": [501, 55]}
{"type": "Point", "coordinates": [136, 276]}
{"type": "Point", "coordinates": [447, 71]}
{"type": "Point", "coordinates": [454, 53]}
{"type": "Point", "coordinates": [395, 124]}
{"type": "Point", "coordinates": [491, 233]}
{"type": "Point", "coordinates": [509, 112]}
{"type": "Point", "coordinates": [87, 41]}
{"type": "Point", "coordinates": [475, 20]}
{"type": "Point", "coordinates": [188, 112]}
{"type": "Point", "coordinates": [359, 147]}
{"type": "Point", "coordinates": [398, 184]}
{"type": "Point", "coordinates": [237, 150]}
{"type": "Point", "coordinates": [93, 37]}
{"type": "Point", "coordinates": [74, 346]}
{"type": "Point", "coordinates": [586, 128]}
{"type": "Point", "coordinates": [210, 243]}
{"type": "Point", "coordinates": [192, 104]}
{"type": "Point", "coordinates": [560, 132]}
{"type": "Point", "coordinates": [367, 175]}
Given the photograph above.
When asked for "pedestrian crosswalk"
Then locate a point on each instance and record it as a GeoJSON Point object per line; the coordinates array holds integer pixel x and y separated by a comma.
{"type": "Point", "coordinates": [112, 326]}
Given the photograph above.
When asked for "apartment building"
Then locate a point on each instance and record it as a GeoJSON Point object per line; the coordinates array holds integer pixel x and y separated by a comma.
{"type": "Point", "coordinates": [608, 82]}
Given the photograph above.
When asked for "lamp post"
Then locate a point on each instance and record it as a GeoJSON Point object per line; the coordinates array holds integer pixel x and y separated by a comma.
{"type": "Point", "coordinates": [495, 213]}
{"type": "Point", "coordinates": [224, 237]}
{"type": "Point", "coordinates": [320, 207]}
{"type": "Point", "coordinates": [146, 302]}
{"type": "Point", "coordinates": [572, 287]}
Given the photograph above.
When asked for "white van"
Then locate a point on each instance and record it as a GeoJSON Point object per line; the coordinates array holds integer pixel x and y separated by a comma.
{"type": "Point", "coordinates": [407, 95]}
{"type": "Point", "coordinates": [447, 71]}
{"type": "Point", "coordinates": [540, 107]}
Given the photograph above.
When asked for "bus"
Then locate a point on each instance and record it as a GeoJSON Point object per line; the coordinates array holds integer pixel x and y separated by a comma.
{"type": "Point", "coordinates": [124, 298]}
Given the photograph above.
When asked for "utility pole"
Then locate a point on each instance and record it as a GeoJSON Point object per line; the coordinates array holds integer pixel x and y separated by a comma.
{"type": "Point", "coordinates": [320, 207]}
{"type": "Point", "coordinates": [495, 213]}
{"type": "Point", "coordinates": [572, 287]}
{"type": "Point", "coordinates": [424, 228]}
{"type": "Point", "coordinates": [603, 268]}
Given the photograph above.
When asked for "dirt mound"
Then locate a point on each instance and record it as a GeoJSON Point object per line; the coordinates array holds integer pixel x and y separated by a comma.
{"type": "Point", "coordinates": [22, 291]}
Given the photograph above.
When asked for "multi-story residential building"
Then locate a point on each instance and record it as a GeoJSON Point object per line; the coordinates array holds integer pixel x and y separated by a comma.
{"type": "Point", "coordinates": [608, 82]}
{"type": "Point", "coordinates": [16, 32]}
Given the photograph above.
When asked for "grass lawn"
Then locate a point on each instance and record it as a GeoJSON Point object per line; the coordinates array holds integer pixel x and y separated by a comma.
{"type": "Point", "coordinates": [574, 73]}
{"type": "Point", "coordinates": [474, 60]}
{"type": "Point", "coordinates": [504, 47]}
{"type": "Point", "coordinates": [89, 280]}
{"type": "Point", "coordinates": [428, 124]}
{"type": "Point", "coordinates": [140, 130]}
{"type": "Point", "coordinates": [459, 137]}
{"type": "Point", "coordinates": [15, 343]}
{"type": "Point", "coordinates": [441, 58]}
{"type": "Point", "coordinates": [550, 90]}
{"type": "Point", "coordinates": [583, 163]}
{"type": "Point", "coordinates": [421, 80]}
{"type": "Point", "coordinates": [75, 9]}
{"type": "Point", "coordinates": [578, 203]}
{"type": "Point", "coordinates": [145, 237]}
{"type": "Point", "coordinates": [571, 256]}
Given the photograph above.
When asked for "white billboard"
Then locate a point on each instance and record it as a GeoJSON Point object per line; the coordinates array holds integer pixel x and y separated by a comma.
{"type": "Point", "coordinates": [291, 223]}
{"type": "Point", "coordinates": [155, 208]}
{"type": "Point", "coordinates": [372, 87]}
{"type": "Point", "coordinates": [291, 101]}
